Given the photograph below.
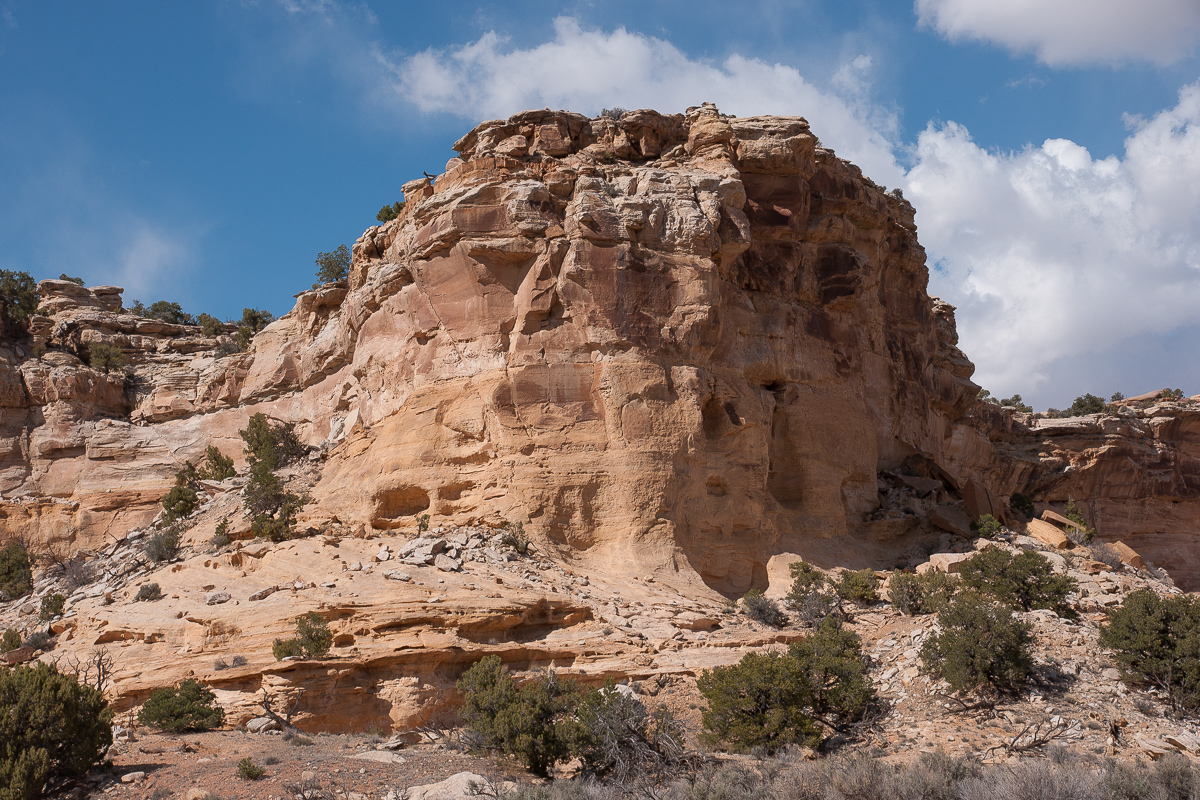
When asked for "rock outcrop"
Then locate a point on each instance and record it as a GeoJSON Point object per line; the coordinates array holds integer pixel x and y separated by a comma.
{"type": "Point", "coordinates": [681, 351]}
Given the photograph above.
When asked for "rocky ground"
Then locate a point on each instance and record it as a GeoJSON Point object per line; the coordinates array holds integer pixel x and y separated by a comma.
{"type": "Point", "coordinates": [411, 609]}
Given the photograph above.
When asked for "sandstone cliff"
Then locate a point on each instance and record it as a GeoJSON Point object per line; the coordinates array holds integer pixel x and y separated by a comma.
{"type": "Point", "coordinates": [680, 350]}
{"type": "Point", "coordinates": [687, 345]}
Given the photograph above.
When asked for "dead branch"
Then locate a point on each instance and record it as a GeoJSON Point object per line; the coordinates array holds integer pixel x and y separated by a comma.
{"type": "Point", "coordinates": [285, 723]}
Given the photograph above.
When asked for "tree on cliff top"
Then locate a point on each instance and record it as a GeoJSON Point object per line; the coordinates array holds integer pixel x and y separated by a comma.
{"type": "Point", "coordinates": [18, 301]}
{"type": "Point", "coordinates": [333, 266]}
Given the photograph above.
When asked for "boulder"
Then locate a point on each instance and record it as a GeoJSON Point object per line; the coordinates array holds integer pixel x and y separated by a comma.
{"type": "Point", "coordinates": [456, 787]}
{"type": "Point", "coordinates": [1048, 534]}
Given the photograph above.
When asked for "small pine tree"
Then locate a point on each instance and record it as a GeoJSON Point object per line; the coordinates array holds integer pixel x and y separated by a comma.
{"type": "Point", "coordinates": [52, 731]}
{"type": "Point", "coordinates": [216, 466]}
{"type": "Point", "coordinates": [275, 445]}
{"type": "Point", "coordinates": [858, 586]}
{"type": "Point", "coordinates": [1025, 581]}
{"type": "Point", "coordinates": [1157, 643]}
{"type": "Point", "coordinates": [333, 266]}
{"type": "Point", "coordinates": [313, 639]}
{"type": "Point", "coordinates": [105, 357]}
{"type": "Point", "coordinates": [771, 700]}
{"type": "Point", "coordinates": [1083, 532]}
{"type": "Point", "coordinates": [761, 608]}
{"type": "Point", "coordinates": [10, 641]}
{"type": "Point", "coordinates": [16, 571]}
{"type": "Point", "coordinates": [925, 593]}
{"type": "Point", "coordinates": [987, 526]}
{"type": "Point", "coordinates": [389, 213]}
{"type": "Point", "coordinates": [979, 647]}
{"type": "Point", "coordinates": [1021, 503]}
{"type": "Point", "coordinates": [52, 606]}
{"type": "Point", "coordinates": [171, 313]}
{"type": "Point", "coordinates": [65, 277]}
{"type": "Point", "coordinates": [18, 302]}
{"type": "Point", "coordinates": [535, 723]}
{"type": "Point", "coordinates": [210, 325]}
{"type": "Point", "coordinates": [189, 706]}
{"type": "Point", "coordinates": [805, 578]}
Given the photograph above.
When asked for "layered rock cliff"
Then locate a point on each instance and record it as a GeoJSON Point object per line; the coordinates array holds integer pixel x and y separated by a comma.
{"type": "Point", "coordinates": [677, 343]}
{"type": "Point", "coordinates": [686, 345]}
{"type": "Point", "coordinates": [680, 350]}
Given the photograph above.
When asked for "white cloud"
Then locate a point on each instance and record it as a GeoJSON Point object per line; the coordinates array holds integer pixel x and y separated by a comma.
{"type": "Point", "coordinates": [587, 70]}
{"type": "Point", "coordinates": [1062, 32]}
{"type": "Point", "coordinates": [1051, 254]}
{"type": "Point", "coordinates": [149, 260]}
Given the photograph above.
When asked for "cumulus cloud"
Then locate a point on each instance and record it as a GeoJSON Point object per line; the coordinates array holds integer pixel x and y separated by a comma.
{"type": "Point", "coordinates": [1064, 32]}
{"type": "Point", "coordinates": [587, 70]}
{"type": "Point", "coordinates": [1052, 254]}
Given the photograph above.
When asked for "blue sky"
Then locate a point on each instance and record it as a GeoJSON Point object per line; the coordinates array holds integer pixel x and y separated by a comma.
{"type": "Point", "coordinates": [205, 152]}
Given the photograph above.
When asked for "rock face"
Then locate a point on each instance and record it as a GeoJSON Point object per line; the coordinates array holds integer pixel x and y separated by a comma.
{"type": "Point", "coordinates": [679, 351]}
{"type": "Point", "coordinates": [677, 343]}
{"type": "Point", "coordinates": [685, 345]}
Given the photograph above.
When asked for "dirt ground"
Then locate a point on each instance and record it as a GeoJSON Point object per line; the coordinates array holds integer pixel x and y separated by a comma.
{"type": "Point", "coordinates": [174, 765]}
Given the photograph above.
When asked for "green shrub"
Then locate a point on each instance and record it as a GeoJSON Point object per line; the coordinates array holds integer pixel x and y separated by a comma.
{"type": "Point", "coordinates": [762, 609]}
{"type": "Point", "coordinates": [925, 593]}
{"type": "Point", "coordinates": [52, 730]}
{"type": "Point", "coordinates": [770, 700]}
{"type": "Point", "coordinates": [980, 646]}
{"type": "Point", "coordinates": [253, 320]}
{"type": "Point", "coordinates": [273, 510]}
{"type": "Point", "coordinates": [220, 536]}
{"type": "Point", "coordinates": [1021, 503]}
{"type": "Point", "coordinates": [183, 498]}
{"type": "Point", "coordinates": [105, 357]}
{"type": "Point", "coordinates": [247, 770]}
{"type": "Point", "coordinates": [286, 648]}
{"type": "Point", "coordinates": [1156, 641]}
{"type": "Point", "coordinates": [535, 723]}
{"type": "Point", "coordinates": [210, 325]}
{"type": "Point", "coordinates": [805, 579]}
{"type": "Point", "coordinates": [148, 593]}
{"type": "Point", "coordinates": [987, 526]}
{"type": "Point", "coordinates": [171, 313]}
{"type": "Point", "coordinates": [216, 466]}
{"type": "Point", "coordinates": [816, 606]}
{"type": "Point", "coordinates": [16, 572]}
{"type": "Point", "coordinates": [52, 606]}
{"type": "Point", "coordinates": [313, 638]}
{"type": "Point", "coordinates": [65, 277]}
{"type": "Point", "coordinates": [333, 266]}
{"type": "Point", "coordinates": [18, 301]}
{"type": "Point", "coordinates": [179, 503]}
{"type": "Point", "coordinates": [163, 545]}
{"type": "Point", "coordinates": [273, 445]}
{"type": "Point", "coordinates": [858, 586]}
{"type": "Point", "coordinates": [10, 641]}
{"type": "Point", "coordinates": [1025, 581]}
{"type": "Point", "coordinates": [190, 706]}
{"type": "Point", "coordinates": [1083, 405]}
{"type": "Point", "coordinates": [389, 213]}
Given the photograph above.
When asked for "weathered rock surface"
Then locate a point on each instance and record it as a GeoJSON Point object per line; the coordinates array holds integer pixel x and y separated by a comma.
{"type": "Point", "coordinates": [681, 351]}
